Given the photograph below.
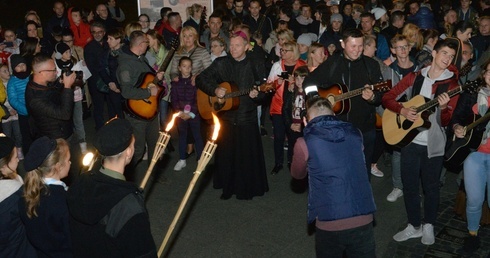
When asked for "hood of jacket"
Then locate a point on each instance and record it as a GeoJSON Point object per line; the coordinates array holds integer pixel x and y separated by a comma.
{"type": "Point", "coordinates": [328, 128]}
{"type": "Point", "coordinates": [94, 195]}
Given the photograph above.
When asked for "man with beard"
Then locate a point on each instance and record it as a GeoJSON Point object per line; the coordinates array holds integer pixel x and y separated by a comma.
{"type": "Point", "coordinates": [16, 89]}
{"type": "Point", "coordinates": [49, 101]}
{"type": "Point", "coordinates": [239, 141]}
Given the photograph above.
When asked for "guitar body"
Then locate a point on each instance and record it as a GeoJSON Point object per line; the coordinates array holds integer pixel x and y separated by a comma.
{"type": "Point", "coordinates": [399, 131]}
{"type": "Point", "coordinates": [458, 149]}
{"type": "Point", "coordinates": [340, 107]}
{"type": "Point", "coordinates": [209, 104]}
{"type": "Point", "coordinates": [145, 109]}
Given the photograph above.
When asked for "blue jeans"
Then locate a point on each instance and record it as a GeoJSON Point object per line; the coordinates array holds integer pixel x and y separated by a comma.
{"type": "Point", "coordinates": [279, 130]}
{"type": "Point", "coordinates": [183, 127]}
{"type": "Point", "coordinates": [396, 174]}
{"type": "Point", "coordinates": [12, 130]}
{"type": "Point", "coordinates": [163, 113]}
{"type": "Point", "coordinates": [356, 242]}
{"type": "Point", "coordinates": [476, 178]}
{"type": "Point", "coordinates": [416, 166]}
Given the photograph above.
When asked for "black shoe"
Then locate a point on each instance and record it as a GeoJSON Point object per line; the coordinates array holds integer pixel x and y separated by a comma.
{"type": "Point", "coordinates": [263, 132]}
{"type": "Point", "coordinates": [276, 169]}
{"type": "Point", "coordinates": [471, 244]}
{"type": "Point", "coordinates": [189, 154]}
{"type": "Point", "coordinates": [289, 166]}
{"type": "Point", "coordinates": [225, 197]}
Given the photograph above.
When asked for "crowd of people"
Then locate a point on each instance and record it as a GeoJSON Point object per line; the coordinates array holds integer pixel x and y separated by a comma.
{"type": "Point", "coordinates": [262, 56]}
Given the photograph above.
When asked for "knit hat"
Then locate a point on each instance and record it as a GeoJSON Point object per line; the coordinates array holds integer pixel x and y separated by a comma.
{"type": "Point", "coordinates": [378, 12]}
{"type": "Point", "coordinates": [60, 49]}
{"type": "Point", "coordinates": [17, 59]}
{"type": "Point", "coordinates": [307, 39]}
{"type": "Point", "coordinates": [38, 152]}
{"type": "Point", "coordinates": [336, 17]}
{"type": "Point", "coordinates": [114, 137]}
{"type": "Point", "coordinates": [6, 146]}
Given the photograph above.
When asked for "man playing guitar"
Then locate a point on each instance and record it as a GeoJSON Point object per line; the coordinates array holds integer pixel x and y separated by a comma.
{"type": "Point", "coordinates": [422, 158]}
{"type": "Point", "coordinates": [132, 66]}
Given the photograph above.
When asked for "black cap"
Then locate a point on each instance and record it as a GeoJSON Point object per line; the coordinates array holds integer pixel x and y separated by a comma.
{"type": "Point", "coordinates": [17, 59]}
{"type": "Point", "coordinates": [38, 152]}
{"type": "Point", "coordinates": [6, 146]}
{"type": "Point", "coordinates": [114, 137]}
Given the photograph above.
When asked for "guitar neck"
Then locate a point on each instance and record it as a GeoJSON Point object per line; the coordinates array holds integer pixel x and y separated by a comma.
{"type": "Point", "coordinates": [434, 102]}
{"type": "Point", "coordinates": [480, 120]}
{"type": "Point", "coordinates": [237, 93]}
{"type": "Point", "coordinates": [348, 95]}
{"type": "Point", "coordinates": [165, 63]}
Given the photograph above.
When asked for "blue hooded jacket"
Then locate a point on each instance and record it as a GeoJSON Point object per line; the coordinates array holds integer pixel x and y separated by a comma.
{"type": "Point", "coordinates": [339, 186]}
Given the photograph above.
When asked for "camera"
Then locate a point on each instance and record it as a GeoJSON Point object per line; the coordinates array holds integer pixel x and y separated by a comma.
{"type": "Point", "coordinates": [284, 75]}
{"type": "Point", "coordinates": [78, 77]}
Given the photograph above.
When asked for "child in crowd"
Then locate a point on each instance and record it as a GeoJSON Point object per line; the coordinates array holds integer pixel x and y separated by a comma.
{"type": "Point", "coordinates": [293, 109]}
{"type": "Point", "coordinates": [66, 62]}
{"type": "Point", "coordinates": [16, 89]}
{"type": "Point", "coordinates": [10, 125]}
{"type": "Point", "coordinates": [13, 239]}
{"type": "Point", "coordinates": [43, 209]}
{"type": "Point", "coordinates": [183, 96]}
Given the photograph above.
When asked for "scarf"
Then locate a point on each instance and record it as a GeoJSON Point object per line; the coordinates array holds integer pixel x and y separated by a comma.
{"type": "Point", "coordinates": [482, 102]}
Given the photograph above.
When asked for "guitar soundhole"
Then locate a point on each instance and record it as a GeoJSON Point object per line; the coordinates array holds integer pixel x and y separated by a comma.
{"type": "Point", "coordinates": [218, 106]}
{"type": "Point", "coordinates": [407, 124]}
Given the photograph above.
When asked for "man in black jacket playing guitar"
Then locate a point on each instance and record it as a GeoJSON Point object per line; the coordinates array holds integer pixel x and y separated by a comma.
{"type": "Point", "coordinates": [354, 70]}
{"type": "Point", "coordinates": [132, 65]}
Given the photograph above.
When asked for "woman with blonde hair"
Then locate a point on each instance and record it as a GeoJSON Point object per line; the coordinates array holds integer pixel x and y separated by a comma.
{"type": "Point", "coordinates": [283, 36]}
{"type": "Point", "coordinates": [13, 239]}
{"type": "Point", "coordinates": [190, 47]}
{"type": "Point", "coordinates": [130, 27]}
{"type": "Point", "coordinates": [281, 75]}
{"type": "Point", "coordinates": [43, 209]}
{"type": "Point", "coordinates": [316, 56]}
{"type": "Point", "coordinates": [194, 13]}
{"type": "Point", "coordinates": [414, 37]}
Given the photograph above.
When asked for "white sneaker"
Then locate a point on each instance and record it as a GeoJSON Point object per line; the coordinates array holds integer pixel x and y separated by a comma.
{"type": "Point", "coordinates": [407, 233]}
{"type": "Point", "coordinates": [428, 234]}
{"type": "Point", "coordinates": [394, 195]}
{"type": "Point", "coordinates": [375, 171]}
{"type": "Point", "coordinates": [180, 165]}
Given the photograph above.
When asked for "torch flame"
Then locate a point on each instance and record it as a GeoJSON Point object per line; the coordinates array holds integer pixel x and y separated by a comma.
{"type": "Point", "coordinates": [171, 123]}
{"type": "Point", "coordinates": [216, 127]}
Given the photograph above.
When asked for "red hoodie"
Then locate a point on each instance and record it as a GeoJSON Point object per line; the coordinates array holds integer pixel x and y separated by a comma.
{"type": "Point", "coordinates": [81, 33]}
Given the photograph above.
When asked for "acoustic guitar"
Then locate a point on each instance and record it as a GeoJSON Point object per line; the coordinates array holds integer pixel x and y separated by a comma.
{"type": "Point", "coordinates": [147, 109]}
{"type": "Point", "coordinates": [400, 131]}
{"type": "Point", "coordinates": [339, 96]}
{"type": "Point", "coordinates": [210, 104]}
{"type": "Point", "coordinates": [459, 148]}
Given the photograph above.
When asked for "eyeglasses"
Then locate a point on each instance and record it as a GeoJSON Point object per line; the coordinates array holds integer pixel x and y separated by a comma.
{"type": "Point", "coordinates": [98, 32]}
{"type": "Point", "coordinates": [285, 50]}
{"type": "Point", "coordinates": [52, 71]}
{"type": "Point", "coordinates": [402, 47]}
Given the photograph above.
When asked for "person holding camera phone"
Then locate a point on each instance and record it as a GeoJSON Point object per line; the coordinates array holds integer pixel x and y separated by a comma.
{"type": "Point", "coordinates": [49, 100]}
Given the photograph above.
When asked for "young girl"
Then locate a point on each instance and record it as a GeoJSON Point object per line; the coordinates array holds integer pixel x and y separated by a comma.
{"type": "Point", "coordinates": [13, 239]}
{"type": "Point", "coordinates": [66, 62]}
{"type": "Point", "coordinates": [43, 209]}
{"type": "Point", "coordinates": [292, 111]}
{"type": "Point", "coordinates": [10, 125]}
{"type": "Point", "coordinates": [183, 96]}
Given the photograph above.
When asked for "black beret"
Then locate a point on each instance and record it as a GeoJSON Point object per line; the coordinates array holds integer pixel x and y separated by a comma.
{"type": "Point", "coordinates": [38, 152]}
{"type": "Point", "coordinates": [114, 137]}
{"type": "Point", "coordinates": [6, 146]}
